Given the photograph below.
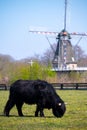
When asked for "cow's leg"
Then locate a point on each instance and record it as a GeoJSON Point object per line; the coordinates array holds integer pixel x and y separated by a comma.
{"type": "Point", "coordinates": [41, 112]}
{"type": "Point", "coordinates": [39, 109]}
{"type": "Point", "coordinates": [19, 108]}
{"type": "Point", "coordinates": [10, 103]}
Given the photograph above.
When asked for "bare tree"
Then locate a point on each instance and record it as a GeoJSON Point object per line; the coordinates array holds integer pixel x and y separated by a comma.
{"type": "Point", "coordinates": [80, 56]}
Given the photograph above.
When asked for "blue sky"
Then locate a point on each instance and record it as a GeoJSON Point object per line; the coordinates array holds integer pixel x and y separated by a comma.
{"type": "Point", "coordinates": [18, 16]}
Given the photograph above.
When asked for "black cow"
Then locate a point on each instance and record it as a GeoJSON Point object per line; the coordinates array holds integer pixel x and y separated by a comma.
{"type": "Point", "coordinates": [37, 92]}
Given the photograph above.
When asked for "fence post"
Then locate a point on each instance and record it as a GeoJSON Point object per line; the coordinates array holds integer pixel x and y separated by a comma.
{"type": "Point", "coordinates": [77, 86]}
{"type": "Point", "coordinates": [61, 86]}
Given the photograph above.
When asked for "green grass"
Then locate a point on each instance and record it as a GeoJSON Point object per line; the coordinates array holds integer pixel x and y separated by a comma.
{"type": "Point", "coordinates": [75, 117]}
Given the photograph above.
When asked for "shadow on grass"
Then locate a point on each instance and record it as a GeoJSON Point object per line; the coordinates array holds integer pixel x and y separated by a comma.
{"type": "Point", "coordinates": [30, 116]}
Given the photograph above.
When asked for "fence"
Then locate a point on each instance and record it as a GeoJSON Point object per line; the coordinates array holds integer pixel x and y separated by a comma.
{"type": "Point", "coordinates": [3, 87]}
{"type": "Point", "coordinates": [58, 86]}
{"type": "Point", "coordinates": [70, 85]}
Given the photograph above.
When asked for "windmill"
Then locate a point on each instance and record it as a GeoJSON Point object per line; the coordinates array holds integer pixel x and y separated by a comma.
{"type": "Point", "coordinates": [64, 50]}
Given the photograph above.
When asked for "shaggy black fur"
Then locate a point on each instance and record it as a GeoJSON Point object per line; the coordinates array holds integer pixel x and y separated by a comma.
{"type": "Point", "coordinates": [37, 92]}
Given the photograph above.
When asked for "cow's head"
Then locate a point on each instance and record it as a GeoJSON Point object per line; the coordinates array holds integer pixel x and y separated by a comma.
{"type": "Point", "coordinates": [59, 109]}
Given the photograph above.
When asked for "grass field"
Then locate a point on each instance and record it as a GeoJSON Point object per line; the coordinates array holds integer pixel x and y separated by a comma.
{"type": "Point", "coordinates": [75, 117]}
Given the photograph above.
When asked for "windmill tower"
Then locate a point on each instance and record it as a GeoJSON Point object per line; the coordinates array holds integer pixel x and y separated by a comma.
{"type": "Point", "coordinates": [64, 54]}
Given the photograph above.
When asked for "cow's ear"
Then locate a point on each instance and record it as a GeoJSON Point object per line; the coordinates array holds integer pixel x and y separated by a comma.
{"type": "Point", "coordinates": [59, 104]}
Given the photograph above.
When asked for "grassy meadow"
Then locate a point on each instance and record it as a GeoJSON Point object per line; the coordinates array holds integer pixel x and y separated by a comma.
{"type": "Point", "coordinates": [75, 117]}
